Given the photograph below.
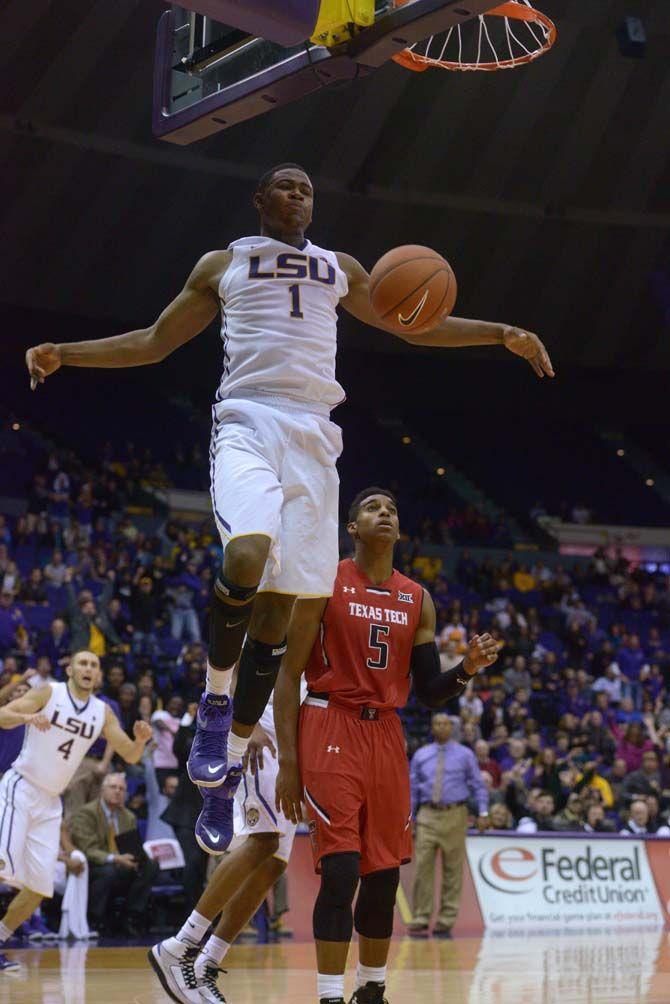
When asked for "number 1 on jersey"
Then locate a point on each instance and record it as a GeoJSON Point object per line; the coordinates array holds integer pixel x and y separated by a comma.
{"type": "Point", "coordinates": [294, 290]}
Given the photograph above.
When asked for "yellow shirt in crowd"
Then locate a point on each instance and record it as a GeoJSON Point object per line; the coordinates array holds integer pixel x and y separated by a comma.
{"type": "Point", "coordinates": [524, 582]}
{"type": "Point", "coordinates": [96, 642]}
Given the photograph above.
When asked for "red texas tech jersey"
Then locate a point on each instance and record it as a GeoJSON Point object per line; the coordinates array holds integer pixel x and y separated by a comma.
{"type": "Point", "coordinates": [362, 656]}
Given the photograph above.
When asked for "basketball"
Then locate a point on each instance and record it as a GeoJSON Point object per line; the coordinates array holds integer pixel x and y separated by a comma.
{"type": "Point", "coordinates": [412, 288]}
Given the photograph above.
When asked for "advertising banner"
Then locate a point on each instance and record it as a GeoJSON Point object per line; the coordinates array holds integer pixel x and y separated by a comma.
{"type": "Point", "coordinates": [559, 882]}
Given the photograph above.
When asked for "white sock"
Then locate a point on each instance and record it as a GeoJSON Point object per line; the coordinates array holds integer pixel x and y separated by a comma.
{"type": "Point", "coordinates": [329, 986]}
{"type": "Point", "coordinates": [218, 680]}
{"type": "Point", "coordinates": [237, 747]}
{"type": "Point", "coordinates": [369, 974]}
{"type": "Point", "coordinates": [192, 933]}
{"type": "Point", "coordinates": [214, 953]}
{"type": "Point", "coordinates": [5, 933]}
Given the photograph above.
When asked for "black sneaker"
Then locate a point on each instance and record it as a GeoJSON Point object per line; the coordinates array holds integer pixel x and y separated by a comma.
{"type": "Point", "coordinates": [332, 1000]}
{"type": "Point", "coordinates": [442, 932]}
{"type": "Point", "coordinates": [371, 993]}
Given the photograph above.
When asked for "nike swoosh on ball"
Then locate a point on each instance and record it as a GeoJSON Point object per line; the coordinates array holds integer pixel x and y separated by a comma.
{"type": "Point", "coordinates": [411, 318]}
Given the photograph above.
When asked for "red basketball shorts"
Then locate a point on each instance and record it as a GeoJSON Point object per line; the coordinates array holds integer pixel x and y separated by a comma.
{"type": "Point", "coordinates": [356, 786]}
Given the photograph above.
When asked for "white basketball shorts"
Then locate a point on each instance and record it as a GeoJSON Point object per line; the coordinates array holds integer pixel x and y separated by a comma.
{"type": "Point", "coordinates": [255, 808]}
{"type": "Point", "coordinates": [273, 472]}
{"type": "Point", "coordinates": [29, 834]}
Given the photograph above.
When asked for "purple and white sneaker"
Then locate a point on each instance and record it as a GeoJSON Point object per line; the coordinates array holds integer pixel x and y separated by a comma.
{"type": "Point", "coordinates": [8, 965]}
{"type": "Point", "coordinates": [38, 930]}
{"type": "Point", "coordinates": [214, 826]}
{"type": "Point", "coordinates": [208, 759]}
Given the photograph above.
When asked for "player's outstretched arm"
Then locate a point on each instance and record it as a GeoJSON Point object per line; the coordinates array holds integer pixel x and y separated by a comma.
{"type": "Point", "coordinates": [188, 314]}
{"type": "Point", "coordinates": [433, 687]}
{"type": "Point", "coordinates": [26, 710]}
{"type": "Point", "coordinates": [129, 750]}
{"type": "Point", "coordinates": [452, 332]}
{"type": "Point", "coordinates": [303, 630]}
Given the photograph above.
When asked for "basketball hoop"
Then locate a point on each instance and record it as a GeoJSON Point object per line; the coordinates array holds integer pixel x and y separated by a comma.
{"type": "Point", "coordinates": [513, 34]}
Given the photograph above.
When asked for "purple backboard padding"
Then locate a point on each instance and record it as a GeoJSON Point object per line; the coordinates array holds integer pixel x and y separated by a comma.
{"type": "Point", "coordinates": [287, 22]}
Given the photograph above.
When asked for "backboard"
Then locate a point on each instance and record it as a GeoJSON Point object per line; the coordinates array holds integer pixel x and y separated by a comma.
{"type": "Point", "coordinates": [210, 75]}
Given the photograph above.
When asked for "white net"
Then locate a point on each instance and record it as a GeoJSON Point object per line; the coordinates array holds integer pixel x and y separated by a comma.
{"type": "Point", "coordinates": [506, 37]}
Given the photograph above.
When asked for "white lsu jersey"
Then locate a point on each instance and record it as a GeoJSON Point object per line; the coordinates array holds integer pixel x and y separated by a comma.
{"type": "Point", "coordinates": [279, 322]}
{"type": "Point", "coordinates": [49, 759]}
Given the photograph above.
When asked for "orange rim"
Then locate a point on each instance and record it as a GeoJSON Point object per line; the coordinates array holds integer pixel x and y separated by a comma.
{"type": "Point", "coordinates": [512, 10]}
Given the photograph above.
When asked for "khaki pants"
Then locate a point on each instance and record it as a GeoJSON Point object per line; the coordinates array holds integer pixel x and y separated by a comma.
{"type": "Point", "coordinates": [439, 831]}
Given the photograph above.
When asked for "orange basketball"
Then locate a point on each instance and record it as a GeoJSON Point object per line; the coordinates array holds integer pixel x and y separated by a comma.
{"type": "Point", "coordinates": [412, 288]}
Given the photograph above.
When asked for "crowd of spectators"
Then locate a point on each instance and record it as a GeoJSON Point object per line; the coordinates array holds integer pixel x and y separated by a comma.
{"type": "Point", "coordinates": [571, 727]}
{"type": "Point", "coordinates": [462, 525]}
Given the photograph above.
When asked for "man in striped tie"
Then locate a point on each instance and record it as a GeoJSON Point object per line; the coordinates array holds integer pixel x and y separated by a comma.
{"type": "Point", "coordinates": [444, 775]}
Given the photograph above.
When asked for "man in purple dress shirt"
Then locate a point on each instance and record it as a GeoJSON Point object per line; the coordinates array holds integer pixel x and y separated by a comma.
{"type": "Point", "coordinates": [443, 776]}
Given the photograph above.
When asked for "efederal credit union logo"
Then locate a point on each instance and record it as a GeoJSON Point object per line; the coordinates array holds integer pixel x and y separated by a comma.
{"type": "Point", "coordinates": [509, 869]}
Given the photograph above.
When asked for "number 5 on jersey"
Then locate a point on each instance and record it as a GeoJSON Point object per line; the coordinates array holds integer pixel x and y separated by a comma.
{"type": "Point", "coordinates": [379, 647]}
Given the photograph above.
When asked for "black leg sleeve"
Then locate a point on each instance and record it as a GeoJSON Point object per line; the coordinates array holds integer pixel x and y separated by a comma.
{"type": "Point", "coordinates": [256, 677]}
{"type": "Point", "coordinates": [333, 919]}
{"type": "Point", "coordinates": [373, 917]}
{"type": "Point", "coordinates": [228, 622]}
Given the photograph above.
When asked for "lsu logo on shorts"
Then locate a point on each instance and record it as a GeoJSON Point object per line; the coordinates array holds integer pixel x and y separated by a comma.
{"type": "Point", "coordinates": [252, 816]}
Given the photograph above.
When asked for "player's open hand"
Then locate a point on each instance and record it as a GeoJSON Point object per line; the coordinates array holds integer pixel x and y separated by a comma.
{"type": "Point", "coordinates": [39, 721]}
{"type": "Point", "coordinates": [482, 652]}
{"type": "Point", "coordinates": [42, 361]}
{"type": "Point", "coordinates": [253, 758]}
{"type": "Point", "coordinates": [289, 792]}
{"type": "Point", "coordinates": [142, 731]}
{"type": "Point", "coordinates": [529, 347]}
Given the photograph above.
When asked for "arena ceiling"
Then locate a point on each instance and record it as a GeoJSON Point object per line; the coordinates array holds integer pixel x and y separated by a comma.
{"type": "Point", "coordinates": [547, 188]}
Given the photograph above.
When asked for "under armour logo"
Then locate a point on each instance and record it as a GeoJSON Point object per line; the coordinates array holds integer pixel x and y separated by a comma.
{"type": "Point", "coordinates": [333, 749]}
{"type": "Point", "coordinates": [348, 589]}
